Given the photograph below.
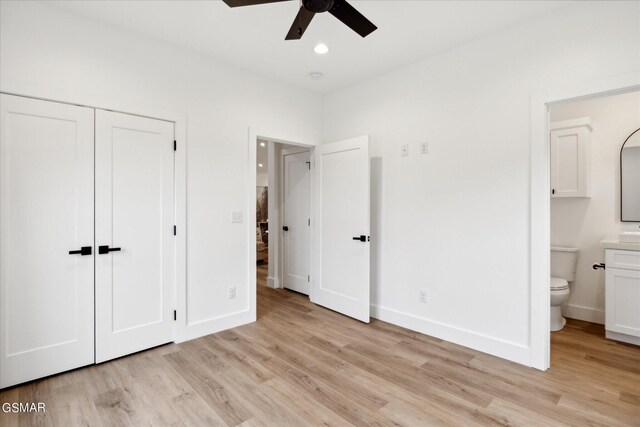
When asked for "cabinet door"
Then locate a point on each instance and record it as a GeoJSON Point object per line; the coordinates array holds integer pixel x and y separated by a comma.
{"type": "Point", "coordinates": [134, 225]}
{"type": "Point", "coordinates": [46, 211]}
{"type": "Point", "coordinates": [570, 162]}
{"type": "Point", "coordinates": [622, 295]}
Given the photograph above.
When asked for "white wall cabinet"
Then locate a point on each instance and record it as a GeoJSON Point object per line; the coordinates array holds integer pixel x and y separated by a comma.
{"type": "Point", "coordinates": [622, 295]}
{"type": "Point", "coordinates": [82, 283]}
{"type": "Point", "coordinates": [571, 158]}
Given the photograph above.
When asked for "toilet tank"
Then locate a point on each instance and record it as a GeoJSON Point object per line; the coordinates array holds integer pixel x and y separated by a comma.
{"type": "Point", "coordinates": [563, 263]}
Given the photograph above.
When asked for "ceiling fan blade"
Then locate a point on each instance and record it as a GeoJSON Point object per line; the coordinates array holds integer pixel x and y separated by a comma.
{"type": "Point", "coordinates": [239, 3]}
{"type": "Point", "coordinates": [352, 18]}
{"type": "Point", "coordinates": [300, 24]}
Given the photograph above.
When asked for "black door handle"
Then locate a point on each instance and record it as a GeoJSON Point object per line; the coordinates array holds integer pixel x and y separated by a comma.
{"type": "Point", "coordinates": [362, 238]}
{"type": "Point", "coordinates": [598, 266]}
{"type": "Point", "coordinates": [285, 228]}
{"type": "Point", "coordinates": [85, 250]}
{"type": "Point", "coordinates": [106, 249]}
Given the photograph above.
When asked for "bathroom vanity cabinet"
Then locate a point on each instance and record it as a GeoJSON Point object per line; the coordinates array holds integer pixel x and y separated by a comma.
{"type": "Point", "coordinates": [622, 295]}
{"type": "Point", "coordinates": [571, 158]}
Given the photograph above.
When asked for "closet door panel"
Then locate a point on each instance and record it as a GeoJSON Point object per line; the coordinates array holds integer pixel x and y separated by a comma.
{"type": "Point", "coordinates": [134, 213]}
{"type": "Point", "coordinates": [46, 210]}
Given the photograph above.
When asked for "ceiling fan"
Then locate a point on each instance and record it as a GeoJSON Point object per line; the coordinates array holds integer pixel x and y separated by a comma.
{"type": "Point", "coordinates": [308, 8]}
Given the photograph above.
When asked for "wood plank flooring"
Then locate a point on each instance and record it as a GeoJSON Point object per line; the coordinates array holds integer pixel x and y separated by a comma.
{"type": "Point", "coordinates": [302, 365]}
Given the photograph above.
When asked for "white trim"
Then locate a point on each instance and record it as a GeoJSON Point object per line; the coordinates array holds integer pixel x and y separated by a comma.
{"type": "Point", "coordinates": [273, 282]}
{"type": "Point", "coordinates": [588, 314]}
{"type": "Point", "coordinates": [288, 151]}
{"type": "Point", "coordinates": [217, 324]}
{"type": "Point", "coordinates": [573, 123]}
{"type": "Point", "coordinates": [179, 119]}
{"type": "Point", "coordinates": [518, 353]}
{"type": "Point", "coordinates": [540, 222]}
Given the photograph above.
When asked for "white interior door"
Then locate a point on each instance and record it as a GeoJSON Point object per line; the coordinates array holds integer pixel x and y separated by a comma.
{"type": "Point", "coordinates": [134, 222]}
{"type": "Point", "coordinates": [341, 235]}
{"type": "Point", "coordinates": [46, 212]}
{"type": "Point", "coordinates": [296, 249]}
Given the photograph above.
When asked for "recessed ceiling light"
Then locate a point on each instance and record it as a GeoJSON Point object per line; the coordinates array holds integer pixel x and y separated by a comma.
{"type": "Point", "coordinates": [262, 144]}
{"type": "Point", "coordinates": [259, 165]}
{"type": "Point", "coordinates": [321, 49]}
{"type": "Point", "coordinates": [316, 75]}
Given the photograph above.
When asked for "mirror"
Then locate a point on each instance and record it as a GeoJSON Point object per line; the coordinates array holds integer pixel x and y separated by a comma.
{"type": "Point", "coordinates": [630, 178]}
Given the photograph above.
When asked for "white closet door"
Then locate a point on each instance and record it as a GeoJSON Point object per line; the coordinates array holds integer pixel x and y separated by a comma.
{"type": "Point", "coordinates": [134, 222]}
{"type": "Point", "coordinates": [46, 211]}
{"type": "Point", "coordinates": [341, 238]}
{"type": "Point", "coordinates": [296, 250]}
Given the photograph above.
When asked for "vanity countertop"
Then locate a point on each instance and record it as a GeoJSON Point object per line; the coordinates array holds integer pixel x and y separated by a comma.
{"type": "Point", "coordinates": [613, 243]}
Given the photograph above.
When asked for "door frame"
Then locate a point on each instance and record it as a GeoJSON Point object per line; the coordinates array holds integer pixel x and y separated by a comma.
{"type": "Point", "coordinates": [540, 204]}
{"type": "Point", "coordinates": [179, 119]}
{"type": "Point", "coordinates": [274, 223]}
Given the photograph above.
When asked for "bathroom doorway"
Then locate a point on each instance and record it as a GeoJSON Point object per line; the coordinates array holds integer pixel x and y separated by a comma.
{"type": "Point", "coordinates": [586, 136]}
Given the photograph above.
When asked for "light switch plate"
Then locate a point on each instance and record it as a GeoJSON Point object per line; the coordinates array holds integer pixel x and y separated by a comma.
{"type": "Point", "coordinates": [424, 296]}
{"type": "Point", "coordinates": [424, 148]}
{"type": "Point", "coordinates": [236, 217]}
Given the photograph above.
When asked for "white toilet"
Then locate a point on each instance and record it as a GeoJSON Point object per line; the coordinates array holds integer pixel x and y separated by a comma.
{"type": "Point", "coordinates": [563, 271]}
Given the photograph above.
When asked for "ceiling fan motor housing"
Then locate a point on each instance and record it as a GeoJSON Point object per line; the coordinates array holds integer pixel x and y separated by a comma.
{"type": "Point", "coordinates": [317, 6]}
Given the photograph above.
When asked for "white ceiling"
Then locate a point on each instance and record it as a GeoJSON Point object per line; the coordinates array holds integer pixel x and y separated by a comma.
{"type": "Point", "coordinates": [253, 37]}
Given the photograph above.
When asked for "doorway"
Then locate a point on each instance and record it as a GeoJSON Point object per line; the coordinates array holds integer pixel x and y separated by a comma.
{"type": "Point", "coordinates": [539, 338]}
{"type": "Point", "coordinates": [283, 204]}
{"type": "Point", "coordinates": [338, 221]}
{"type": "Point", "coordinates": [586, 140]}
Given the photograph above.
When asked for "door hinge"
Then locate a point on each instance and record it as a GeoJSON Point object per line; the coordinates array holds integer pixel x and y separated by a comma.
{"type": "Point", "coordinates": [175, 315]}
{"type": "Point", "coordinates": [309, 222]}
{"type": "Point", "coordinates": [175, 145]}
{"type": "Point", "coordinates": [175, 230]}
{"type": "Point", "coordinates": [309, 165]}
{"type": "Point", "coordinates": [308, 278]}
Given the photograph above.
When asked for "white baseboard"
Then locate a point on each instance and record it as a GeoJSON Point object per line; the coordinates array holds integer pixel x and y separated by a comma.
{"type": "Point", "coordinates": [588, 314]}
{"type": "Point", "coordinates": [211, 326]}
{"type": "Point", "coordinates": [273, 282]}
{"type": "Point", "coordinates": [495, 346]}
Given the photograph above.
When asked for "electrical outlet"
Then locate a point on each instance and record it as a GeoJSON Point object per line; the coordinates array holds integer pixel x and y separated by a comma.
{"type": "Point", "coordinates": [404, 150]}
{"type": "Point", "coordinates": [236, 217]}
{"type": "Point", "coordinates": [424, 148]}
{"type": "Point", "coordinates": [423, 296]}
{"type": "Point", "coordinates": [232, 292]}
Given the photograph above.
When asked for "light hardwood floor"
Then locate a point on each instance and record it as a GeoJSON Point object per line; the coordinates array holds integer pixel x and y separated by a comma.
{"type": "Point", "coordinates": [300, 365]}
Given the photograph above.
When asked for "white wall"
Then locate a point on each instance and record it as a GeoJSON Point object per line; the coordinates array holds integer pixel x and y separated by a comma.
{"type": "Point", "coordinates": [456, 221]}
{"type": "Point", "coordinates": [584, 222]}
{"type": "Point", "coordinates": [262, 180]}
{"type": "Point", "coordinates": [44, 50]}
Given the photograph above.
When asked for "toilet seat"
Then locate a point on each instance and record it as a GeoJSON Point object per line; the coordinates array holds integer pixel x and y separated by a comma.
{"type": "Point", "coordinates": [558, 284]}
